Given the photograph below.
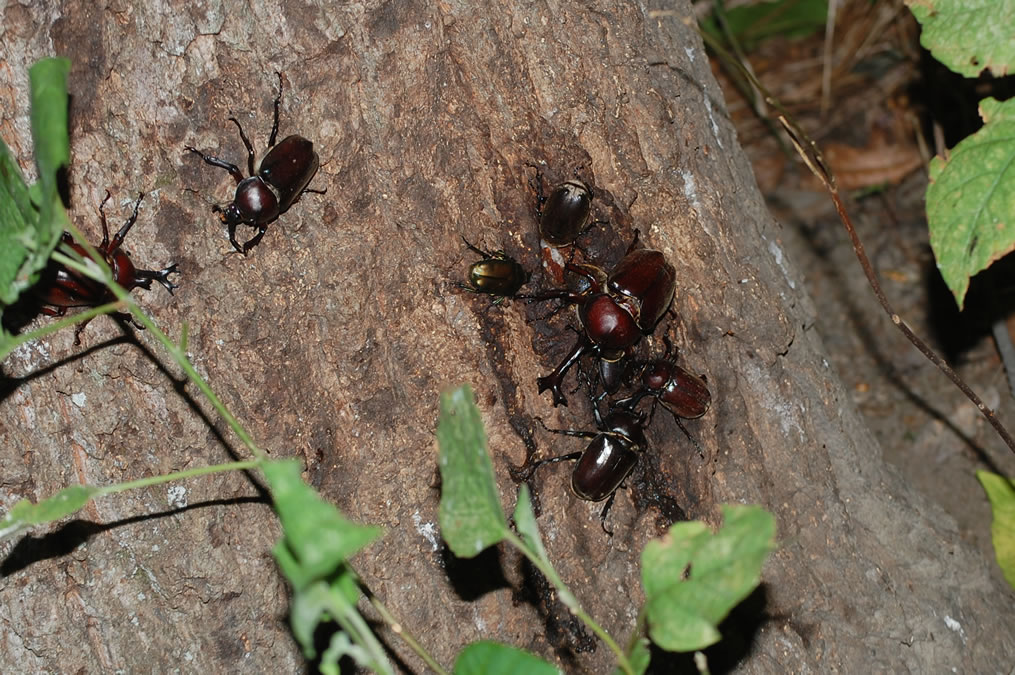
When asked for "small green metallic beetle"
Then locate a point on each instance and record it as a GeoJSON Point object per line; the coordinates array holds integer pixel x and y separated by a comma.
{"type": "Point", "coordinates": [496, 274]}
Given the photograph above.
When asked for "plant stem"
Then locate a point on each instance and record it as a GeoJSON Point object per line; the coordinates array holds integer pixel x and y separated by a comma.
{"type": "Point", "coordinates": [569, 599]}
{"type": "Point", "coordinates": [16, 341]}
{"type": "Point", "coordinates": [398, 629]}
{"type": "Point", "coordinates": [179, 475]}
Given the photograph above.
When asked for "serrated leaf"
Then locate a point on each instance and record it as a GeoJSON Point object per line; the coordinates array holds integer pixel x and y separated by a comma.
{"type": "Point", "coordinates": [971, 199]}
{"type": "Point", "coordinates": [968, 36]}
{"type": "Point", "coordinates": [317, 537]}
{"type": "Point", "coordinates": [25, 514]}
{"type": "Point", "coordinates": [492, 658]}
{"type": "Point", "coordinates": [470, 513]}
{"type": "Point", "coordinates": [1001, 493]}
{"type": "Point", "coordinates": [693, 578]}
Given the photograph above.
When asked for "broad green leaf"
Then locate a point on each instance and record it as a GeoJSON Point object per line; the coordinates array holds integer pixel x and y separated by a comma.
{"type": "Point", "coordinates": [32, 218]}
{"type": "Point", "coordinates": [492, 658]}
{"type": "Point", "coordinates": [25, 514]}
{"type": "Point", "coordinates": [968, 36]}
{"type": "Point", "coordinates": [1001, 493]}
{"type": "Point", "coordinates": [48, 79]}
{"type": "Point", "coordinates": [17, 218]}
{"type": "Point", "coordinates": [754, 23]}
{"type": "Point", "coordinates": [693, 578]}
{"type": "Point", "coordinates": [470, 514]}
{"type": "Point", "coordinates": [316, 537]}
{"type": "Point", "coordinates": [15, 189]}
{"type": "Point", "coordinates": [971, 199]}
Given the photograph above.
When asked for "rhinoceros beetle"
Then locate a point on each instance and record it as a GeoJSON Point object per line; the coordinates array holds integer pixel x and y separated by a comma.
{"type": "Point", "coordinates": [564, 215]}
{"type": "Point", "coordinates": [614, 315]}
{"type": "Point", "coordinates": [496, 274]}
{"type": "Point", "coordinates": [283, 175]}
{"type": "Point", "coordinates": [61, 288]}
{"type": "Point", "coordinates": [685, 395]}
{"type": "Point", "coordinates": [607, 460]}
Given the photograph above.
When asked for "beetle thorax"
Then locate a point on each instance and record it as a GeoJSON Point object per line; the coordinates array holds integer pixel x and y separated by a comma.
{"type": "Point", "coordinates": [608, 324]}
{"type": "Point", "coordinates": [256, 202]}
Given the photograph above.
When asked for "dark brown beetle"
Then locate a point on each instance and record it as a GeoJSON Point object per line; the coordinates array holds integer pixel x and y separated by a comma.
{"type": "Point", "coordinates": [638, 292]}
{"type": "Point", "coordinates": [61, 288]}
{"type": "Point", "coordinates": [607, 460]}
{"type": "Point", "coordinates": [685, 395]}
{"type": "Point", "coordinates": [564, 215]}
{"type": "Point", "coordinates": [283, 175]}
{"type": "Point", "coordinates": [496, 274]}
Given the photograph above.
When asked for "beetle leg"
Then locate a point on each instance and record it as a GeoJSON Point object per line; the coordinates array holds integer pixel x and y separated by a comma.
{"type": "Point", "coordinates": [78, 330]}
{"type": "Point", "coordinates": [255, 240]}
{"type": "Point", "coordinates": [122, 234]}
{"type": "Point", "coordinates": [144, 278]}
{"type": "Point", "coordinates": [247, 145]}
{"type": "Point", "coordinates": [701, 453]}
{"type": "Point", "coordinates": [556, 377]}
{"type": "Point", "coordinates": [233, 170]}
{"type": "Point", "coordinates": [478, 251]}
{"type": "Point", "coordinates": [105, 228]}
{"type": "Point", "coordinates": [274, 125]}
{"type": "Point", "coordinates": [232, 238]}
{"type": "Point", "coordinates": [568, 432]}
{"type": "Point", "coordinates": [606, 509]}
{"type": "Point", "coordinates": [631, 401]}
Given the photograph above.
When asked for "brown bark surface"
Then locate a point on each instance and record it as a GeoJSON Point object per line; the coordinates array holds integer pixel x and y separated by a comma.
{"type": "Point", "coordinates": [333, 338]}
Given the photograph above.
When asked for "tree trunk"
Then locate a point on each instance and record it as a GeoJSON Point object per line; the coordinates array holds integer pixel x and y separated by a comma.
{"type": "Point", "coordinates": [333, 338]}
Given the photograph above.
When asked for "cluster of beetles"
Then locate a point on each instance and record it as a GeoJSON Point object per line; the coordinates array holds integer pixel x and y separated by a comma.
{"type": "Point", "coordinates": [283, 175]}
{"type": "Point", "coordinates": [614, 310]}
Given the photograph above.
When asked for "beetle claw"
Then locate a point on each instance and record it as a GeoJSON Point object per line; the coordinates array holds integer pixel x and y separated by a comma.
{"type": "Point", "coordinates": [553, 384]}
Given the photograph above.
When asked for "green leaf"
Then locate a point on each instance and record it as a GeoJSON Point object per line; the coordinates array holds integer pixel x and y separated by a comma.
{"type": "Point", "coordinates": [32, 219]}
{"type": "Point", "coordinates": [1001, 493]}
{"type": "Point", "coordinates": [968, 36]}
{"type": "Point", "coordinates": [492, 658]}
{"type": "Point", "coordinates": [15, 189]}
{"type": "Point", "coordinates": [309, 606]}
{"type": "Point", "coordinates": [639, 656]}
{"type": "Point", "coordinates": [48, 80]}
{"type": "Point", "coordinates": [693, 578]}
{"type": "Point", "coordinates": [316, 537]}
{"type": "Point", "coordinates": [25, 514]}
{"type": "Point", "coordinates": [971, 199]}
{"type": "Point", "coordinates": [752, 24]}
{"type": "Point", "coordinates": [470, 514]}
{"type": "Point", "coordinates": [525, 523]}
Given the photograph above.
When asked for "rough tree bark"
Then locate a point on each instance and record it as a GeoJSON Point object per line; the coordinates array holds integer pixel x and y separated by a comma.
{"type": "Point", "coordinates": [332, 339]}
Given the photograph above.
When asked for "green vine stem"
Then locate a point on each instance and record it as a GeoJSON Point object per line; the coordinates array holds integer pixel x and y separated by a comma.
{"type": "Point", "coordinates": [569, 599]}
